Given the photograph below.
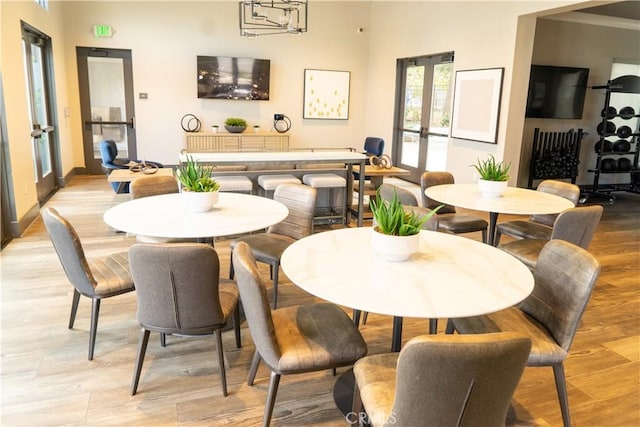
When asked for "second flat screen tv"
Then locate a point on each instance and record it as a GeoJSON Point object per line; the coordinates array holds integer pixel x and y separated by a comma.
{"type": "Point", "coordinates": [556, 92]}
{"type": "Point", "coordinates": [223, 77]}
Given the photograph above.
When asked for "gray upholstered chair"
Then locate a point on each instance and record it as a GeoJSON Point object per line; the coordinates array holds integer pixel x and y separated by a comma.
{"type": "Point", "coordinates": [574, 225]}
{"type": "Point", "coordinates": [268, 247]}
{"type": "Point", "coordinates": [449, 219]}
{"type": "Point", "coordinates": [292, 340]}
{"type": "Point", "coordinates": [442, 380]}
{"type": "Point", "coordinates": [564, 279]}
{"type": "Point", "coordinates": [180, 292]}
{"type": "Point", "coordinates": [539, 226]}
{"type": "Point", "coordinates": [96, 278]}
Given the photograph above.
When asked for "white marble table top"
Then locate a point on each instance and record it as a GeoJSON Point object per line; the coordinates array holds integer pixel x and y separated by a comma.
{"type": "Point", "coordinates": [516, 201]}
{"type": "Point", "coordinates": [451, 277]}
{"type": "Point", "coordinates": [165, 216]}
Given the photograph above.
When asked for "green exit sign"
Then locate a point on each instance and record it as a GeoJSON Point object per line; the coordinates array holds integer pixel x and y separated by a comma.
{"type": "Point", "coordinates": [103, 30]}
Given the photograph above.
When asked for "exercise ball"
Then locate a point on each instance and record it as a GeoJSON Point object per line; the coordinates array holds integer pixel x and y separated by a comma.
{"type": "Point", "coordinates": [611, 128]}
{"type": "Point", "coordinates": [627, 112]}
{"type": "Point", "coordinates": [624, 131]}
{"type": "Point", "coordinates": [609, 112]}
{"type": "Point", "coordinates": [621, 145]}
{"type": "Point", "coordinates": [608, 165]}
{"type": "Point", "coordinates": [624, 164]}
{"type": "Point", "coordinates": [608, 147]}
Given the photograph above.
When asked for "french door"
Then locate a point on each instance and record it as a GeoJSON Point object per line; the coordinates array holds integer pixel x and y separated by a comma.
{"type": "Point", "coordinates": [105, 79]}
{"type": "Point", "coordinates": [36, 48]}
{"type": "Point", "coordinates": [424, 93]}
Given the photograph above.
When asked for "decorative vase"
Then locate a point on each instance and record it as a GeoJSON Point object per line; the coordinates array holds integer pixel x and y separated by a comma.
{"type": "Point", "coordinates": [492, 189]}
{"type": "Point", "coordinates": [214, 129]}
{"type": "Point", "coordinates": [235, 129]}
{"type": "Point", "coordinates": [199, 201]}
{"type": "Point", "coordinates": [394, 248]}
{"type": "Point", "coordinates": [256, 129]}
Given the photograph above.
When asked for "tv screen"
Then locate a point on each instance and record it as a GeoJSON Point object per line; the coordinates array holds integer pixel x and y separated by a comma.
{"type": "Point", "coordinates": [556, 92]}
{"type": "Point", "coordinates": [223, 77]}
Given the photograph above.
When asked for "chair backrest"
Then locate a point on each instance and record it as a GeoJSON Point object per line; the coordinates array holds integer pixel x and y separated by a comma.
{"type": "Point", "coordinates": [177, 287]}
{"type": "Point", "coordinates": [577, 225]}
{"type": "Point", "coordinates": [255, 303]}
{"type": "Point", "coordinates": [406, 197]}
{"type": "Point", "coordinates": [429, 179]}
{"type": "Point", "coordinates": [153, 186]}
{"type": "Point", "coordinates": [108, 151]}
{"type": "Point", "coordinates": [69, 249]}
{"type": "Point", "coordinates": [373, 146]}
{"type": "Point", "coordinates": [565, 275]}
{"type": "Point", "coordinates": [567, 190]}
{"type": "Point", "coordinates": [458, 380]}
{"type": "Point", "coordinates": [300, 199]}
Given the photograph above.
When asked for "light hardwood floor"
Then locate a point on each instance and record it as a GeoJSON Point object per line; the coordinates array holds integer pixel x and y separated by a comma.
{"type": "Point", "coordinates": [47, 380]}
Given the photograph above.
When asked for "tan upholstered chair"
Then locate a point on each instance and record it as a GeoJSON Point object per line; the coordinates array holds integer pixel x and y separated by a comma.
{"type": "Point", "coordinates": [95, 278]}
{"type": "Point", "coordinates": [292, 340]}
{"type": "Point", "coordinates": [564, 279]}
{"type": "Point", "coordinates": [574, 225]}
{"type": "Point", "coordinates": [539, 226]}
{"type": "Point", "coordinates": [153, 186]}
{"type": "Point", "coordinates": [449, 219]}
{"type": "Point", "coordinates": [180, 292]}
{"type": "Point", "coordinates": [268, 247]}
{"type": "Point", "coordinates": [442, 380]}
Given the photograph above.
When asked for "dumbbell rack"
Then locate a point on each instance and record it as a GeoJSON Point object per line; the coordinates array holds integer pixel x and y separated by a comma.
{"type": "Point", "coordinates": [608, 159]}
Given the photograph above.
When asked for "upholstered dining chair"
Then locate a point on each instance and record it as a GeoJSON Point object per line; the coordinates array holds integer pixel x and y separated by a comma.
{"type": "Point", "coordinates": [109, 154]}
{"type": "Point", "coordinates": [564, 279]}
{"type": "Point", "coordinates": [442, 380]}
{"type": "Point", "coordinates": [96, 278]}
{"type": "Point", "coordinates": [292, 340]}
{"type": "Point", "coordinates": [539, 226]}
{"type": "Point", "coordinates": [268, 247]}
{"type": "Point", "coordinates": [574, 225]}
{"type": "Point", "coordinates": [449, 219]}
{"type": "Point", "coordinates": [180, 292]}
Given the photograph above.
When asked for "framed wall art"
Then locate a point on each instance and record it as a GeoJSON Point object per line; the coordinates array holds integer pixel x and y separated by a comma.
{"type": "Point", "coordinates": [476, 105]}
{"type": "Point", "coordinates": [326, 94]}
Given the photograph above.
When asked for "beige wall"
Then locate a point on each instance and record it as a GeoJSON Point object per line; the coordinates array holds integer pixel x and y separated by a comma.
{"type": "Point", "coordinates": [165, 38]}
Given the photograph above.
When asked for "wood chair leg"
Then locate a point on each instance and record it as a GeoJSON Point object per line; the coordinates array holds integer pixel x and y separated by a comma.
{"type": "Point", "coordinates": [223, 375]}
{"type": "Point", "coordinates": [561, 386]}
{"type": "Point", "coordinates": [142, 349]}
{"type": "Point", "coordinates": [95, 312]}
{"type": "Point", "coordinates": [74, 308]}
{"type": "Point", "coordinates": [271, 399]}
{"type": "Point", "coordinates": [255, 362]}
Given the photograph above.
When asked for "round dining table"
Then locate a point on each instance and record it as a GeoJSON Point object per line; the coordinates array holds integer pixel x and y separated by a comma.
{"type": "Point", "coordinates": [165, 216]}
{"type": "Point", "coordinates": [516, 201]}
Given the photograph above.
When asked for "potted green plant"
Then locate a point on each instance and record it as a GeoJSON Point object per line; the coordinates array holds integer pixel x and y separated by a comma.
{"type": "Point", "coordinates": [493, 176]}
{"type": "Point", "coordinates": [235, 125]}
{"type": "Point", "coordinates": [396, 232]}
{"type": "Point", "coordinates": [199, 189]}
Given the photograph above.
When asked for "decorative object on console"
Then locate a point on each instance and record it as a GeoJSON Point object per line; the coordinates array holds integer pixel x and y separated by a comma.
{"type": "Point", "coordinates": [214, 128]}
{"type": "Point", "coordinates": [396, 235]}
{"type": "Point", "coordinates": [190, 123]}
{"type": "Point", "coordinates": [260, 17]}
{"type": "Point", "coordinates": [493, 176]}
{"type": "Point", "coordinates": [256, 129]}
{"type": "Point", "coordinates": [199, 190]}
{"type": "Point", "coordinates": [235, 125]}
{"type": "Point", "coordinates": [381, 162]}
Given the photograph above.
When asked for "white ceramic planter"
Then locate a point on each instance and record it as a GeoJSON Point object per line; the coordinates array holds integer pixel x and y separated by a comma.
{"type": "Point", "coordinates": [199, 202]}
{"type": "Point", "coordinates": [394, 248]}
{"type": "Point", "coordinates": [492, 189]}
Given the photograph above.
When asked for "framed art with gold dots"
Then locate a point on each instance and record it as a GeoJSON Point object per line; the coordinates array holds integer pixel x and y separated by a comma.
{"type": "Point", "coordinates": [326, 94]}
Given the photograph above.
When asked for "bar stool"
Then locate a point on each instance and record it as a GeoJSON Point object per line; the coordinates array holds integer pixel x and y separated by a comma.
{"type": "Point", "coordinates": [234, 183]}
{"type": "Point", "coordinates": [268, 183]}
{"type": "Point", "coordinates": [329, 181]}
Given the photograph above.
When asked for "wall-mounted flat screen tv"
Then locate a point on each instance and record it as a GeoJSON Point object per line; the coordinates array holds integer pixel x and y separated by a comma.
{"type": "Point", "coordinates": [223, 77]}
{"type": "Point", "coordinates": [556, 92]}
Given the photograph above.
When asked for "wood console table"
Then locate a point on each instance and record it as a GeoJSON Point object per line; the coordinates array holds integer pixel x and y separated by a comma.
{"type": "Point", "coordinates": [220, 142]}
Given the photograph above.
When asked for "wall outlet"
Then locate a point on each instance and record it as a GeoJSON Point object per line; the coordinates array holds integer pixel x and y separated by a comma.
{"type": "Point", "coordinates": [278, 117]}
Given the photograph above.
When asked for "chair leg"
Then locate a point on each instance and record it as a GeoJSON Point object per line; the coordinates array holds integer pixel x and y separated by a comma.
{"type": "Point", "coordinates": [74, 308]}
{"type": "Point", "coordinates": [142, 349]}
{"type": "Point", "coordinates": [223, 376]}
{"type": "Point", "coordinates": [433, 326]}
{"type": "Point", "coordinates": [236, 325]}
{"type": "Point", "coordinates": [274, 273]}
{"type": "Point", "coordinates": [255, 362]}
{"type": "Point", "coordinates": [484, 237]}
{"type": "Point", "coordinates": [450, 328]}
{"type": "Point", "coordinates": [561, 386]}
{"type": "Point", "coordinates": [496, 240]}
{"type": "Point", "coordinates": [356, 407]}
{"type": "Point", "coordinates": [365, 316]}
{"type": "Point", "coordinates": [271, 399]}
{"type": "Point", "coordinates": [356, 317]}
{"type": "Point", "coordinates": [95, 311]}
{"type": "Point", "coordinates": [163, 339]}
{"type": "Point", "coordinates": [231, 270]}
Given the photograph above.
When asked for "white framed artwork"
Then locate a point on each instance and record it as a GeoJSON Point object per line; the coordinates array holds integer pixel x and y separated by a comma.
{"type": "Point", "coordinates": [326, 94]}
